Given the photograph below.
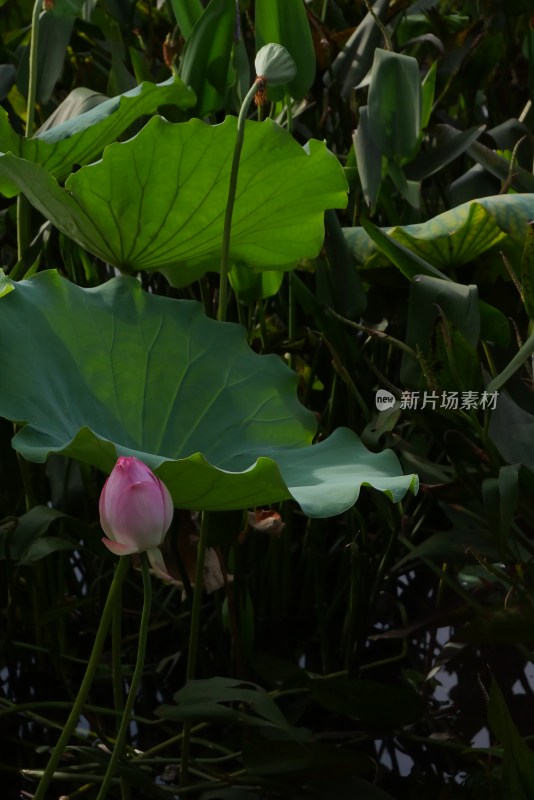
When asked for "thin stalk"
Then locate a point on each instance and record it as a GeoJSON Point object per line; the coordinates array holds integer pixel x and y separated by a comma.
{"type": "Point", "coordinates": [23, 224]}
{"type": "Point", "coordinates": [193, 639]}
{"type": "Point", "coordinates": [263, 326]}
{"type": "Point", "coordinates": [136, 679]}
{"type": "Point", "coordinates": [387, 41]}
{"type": "Point", "coordinates": [32, 79]}
{"type": "Point", "coordinates": [23, 207]}
{"type": "Point", "coordinates": [7, 708]}
{"type": "Point", "coordinates": [25, 468]}
{"type": "Point", "coordinates": [116, 670]}
{"type": "Point", "coordinates": [241, 314]}
{"type": "Point", "coordinates": [92, 666]}
{"type": "Point", "coordinates": [292, 322]}
{"type": "Point", "coordinates": [168, 742]}
{"type": "Point", "coordinates": [343, 373]}
{"type": "Point", "coordinates": [289, 113]}
{"type": "Point", "coordinates": [318, 567]}
{"type": "Point", "coordinates": [374, 334]}
{"type": "Point", "coordinates": [232, 616]}
{"type": "Point", "coordinates": [89, 777]}
{"type": "Point", "coordinates": [205, 296]}
{"type": "Point", "coordinates": [225, 255]}
{"type": "Point", "coordinates": [451, 583]}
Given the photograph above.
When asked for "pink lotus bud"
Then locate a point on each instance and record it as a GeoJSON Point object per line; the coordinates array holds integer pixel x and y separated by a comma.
{"type": "Point", "coordinates": [136, 511]}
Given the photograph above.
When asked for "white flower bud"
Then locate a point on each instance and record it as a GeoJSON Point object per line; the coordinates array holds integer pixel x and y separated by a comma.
{"type": "Point", "coordinates": [274, 63]}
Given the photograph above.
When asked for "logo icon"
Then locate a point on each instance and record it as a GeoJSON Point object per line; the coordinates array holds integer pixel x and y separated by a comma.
{"type": "Point", "coordinates": [384, 400]}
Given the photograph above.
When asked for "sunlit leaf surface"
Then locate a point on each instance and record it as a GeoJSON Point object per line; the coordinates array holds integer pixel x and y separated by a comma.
{"type": "Point", "coordinates": [115, 371]}
{"type": "Point", "coordinates": [158, 201]}
{"type": "Point", "coordinates": [81, 139]}
{"type": "Point", "coordinates": [458, 235]}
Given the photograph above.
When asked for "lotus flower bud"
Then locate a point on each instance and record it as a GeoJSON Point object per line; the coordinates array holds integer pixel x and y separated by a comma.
{"type": "Point", "coordinates": [136, 511]}
{"type": "Point", "coordinates": [274, 64]}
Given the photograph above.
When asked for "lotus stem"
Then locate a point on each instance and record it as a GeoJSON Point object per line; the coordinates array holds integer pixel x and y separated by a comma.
{"type": "Point", "coordinates": [193, 639]}
{"type": "Point", "coordinates": [92, 666]}
{"type": "Point", "coordinates": [225, 256]}
{"type": "Point", "coordinates": [136, 679]}
{"type": "Point", "coordinates": [32, 78]}
{"type": "Point", "coordinates": [116, 670]}
{"type": "Point", "coordinates": [289, 113]}
{"type": "Point", "coordinates": [387, 41]}
{"type": "Point", "coordinates": [23, 207]}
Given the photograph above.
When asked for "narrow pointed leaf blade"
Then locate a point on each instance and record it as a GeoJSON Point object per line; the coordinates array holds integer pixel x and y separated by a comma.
{"type": "Point", "coordinates": [228, 700]}
{"type": "Point", "coordinates": [369, 160]}
{"type": "Point", "coordinates": [518, 758]}
{"type": "Point", "coordinates": [354, 61]}
{"type": "Point", "coordinates": [394, 103]}
{"type": "Point", "coordinates": [55, 31]}
{"type": "Point", "coordinates": [206, 61]}
{"type": "Point", "coordinates": [285, 22]}
{"type": "Point", "coordinates": [186, 13]}
{"type": "Point", "coordinates": [443, 153]}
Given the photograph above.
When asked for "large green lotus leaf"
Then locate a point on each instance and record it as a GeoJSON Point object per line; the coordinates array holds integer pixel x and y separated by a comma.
{"type": "Point", "coordinates": [458, 235]}
{"type": "Point", "coordinates": [98, 373]}
{"type": "Point", "coordinates": [81, 139]}
{"type": "Point", "coordinates": [158, 201]}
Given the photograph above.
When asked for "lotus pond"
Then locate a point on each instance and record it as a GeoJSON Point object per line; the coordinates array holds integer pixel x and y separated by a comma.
{"type": "Point", "coordinates": [266, 400]}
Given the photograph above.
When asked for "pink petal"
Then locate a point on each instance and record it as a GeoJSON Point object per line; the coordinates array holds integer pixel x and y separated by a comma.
{"type": "Point", "coordinates": [134, 469]}
{"type": "Point", "coordinates": [168, 505]}
{"type": "Point", "coordinates": [159, 568]}
{"type": "Point", "coordinates": [102, 510]}
{"type": "Point", "coordinates": [136, 508]}
{"type": "Point", "coordinates": [120, 549]}
{"type": "Point", "coordinates": [139, 515]}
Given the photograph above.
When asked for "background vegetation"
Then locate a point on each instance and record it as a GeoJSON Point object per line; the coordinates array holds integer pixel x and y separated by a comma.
{"type": "Point", "coordinates": [395, 639]}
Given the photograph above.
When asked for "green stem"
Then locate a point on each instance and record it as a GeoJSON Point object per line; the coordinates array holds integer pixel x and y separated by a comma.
{"type": "Point", "coordinates": [92, 666]}
{"type": "Point", "coordinates": [205, 296]}
{"type": "Point", "coordinates": [23, 225]}
{"type": "Point", "coordinates": [7, 708]}
{"type": "Point", "coordinates": [292, 323]}
{"type": "Point", "coordinates": [32, 80]}
{"type": "Point", "coordinates": [289, 113]}
{"type": "Point", "coordinates": [23, 207]}
{"type": "Point", "coordinates": [387, 41]}
{"type": "Point", "coordinates": [374, 334]}
{"type": "Point", "coordinates": [136, 678]}
{"type": "Point", "coordinates": [116, 671]}
{"type": "Point", "coordinates": [225, 255]}
{"type": "Point", "coordinates": [263, 326]}
{"type": "Point", "coordinates": [193, 639]}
